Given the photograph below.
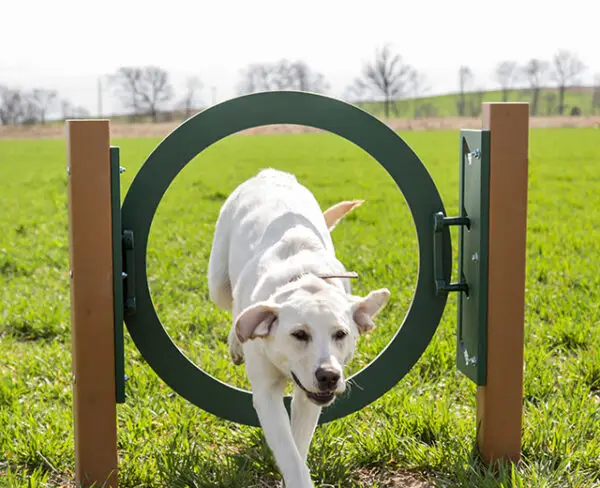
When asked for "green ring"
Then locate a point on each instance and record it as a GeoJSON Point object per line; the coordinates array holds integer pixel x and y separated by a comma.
{"type": "Point", "coordinates": [345, 120]}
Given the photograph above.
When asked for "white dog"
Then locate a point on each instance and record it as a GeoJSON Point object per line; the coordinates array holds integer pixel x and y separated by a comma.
{"type": "Point", "coordinates": [273, 264]}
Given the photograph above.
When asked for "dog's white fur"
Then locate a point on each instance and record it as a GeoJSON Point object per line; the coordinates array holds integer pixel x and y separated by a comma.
{"type": "Point", "coordinates": [271, 243]}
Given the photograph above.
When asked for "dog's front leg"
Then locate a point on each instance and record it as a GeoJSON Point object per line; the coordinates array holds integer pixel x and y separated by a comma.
{"type": "Point", "coordinates": [276, 427]}
{"type": "Point", "coordinates": [267, 397]}
{"type": "Point", "coordinates": [305, 415]}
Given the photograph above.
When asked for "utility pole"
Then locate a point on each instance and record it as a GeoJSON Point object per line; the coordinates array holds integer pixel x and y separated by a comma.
{"type": "Point", "coordinates": [100, 97]}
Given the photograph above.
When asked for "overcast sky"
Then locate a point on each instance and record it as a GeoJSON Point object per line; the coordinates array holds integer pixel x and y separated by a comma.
{"type": "Point", "coordinates": [67, 44]}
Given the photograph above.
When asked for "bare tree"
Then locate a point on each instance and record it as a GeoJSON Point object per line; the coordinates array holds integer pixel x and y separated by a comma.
{"type": "Point", "coordinates": [154, 89]}
{"type": "Point", "coordinates": [475, 101]}
{"type": "Point", "coordinates": [143, 90]}
{"type": "Point", "coordinates": [11, 105]}
{"type": "Point", "coordinates": [566, 70]}
{"type": "Point", "coordinates": [255, 78]}
{"type": "Point", "coordinates": [66, 108]}
{"type": "Point", "coordinates": [387, 77]}
{"type": "Point", "coordinates": [20, 107]}
{"type": "Point", "coordinates": [506, 74]}
{"type": "Point", "coordinates": [353, 93]}
{"type": "Point", "coordinates": [30, 112]}
{"type": "Point", "coordinates": [71, 111]}
{"type": "Point", "coordinates": [465, 78]}
{"type": "Point", "coordinates": [192, 87]}
{"type": "Point", "coordinates": [281, 75]}
{"type": "Point", "coordinates": [550, 99]}
{"type": "Point", "coordinates": [43, 101]}
{"type": "Point", "coordinates": [303, 78]}
{"type": "Point", "coordinates": [536, 72]}
{"type": "Point", "coordinates": [126, 81]}
{"type": "Point", "coordinates": [417, 87]}
{"type": "Point", "coordinates": [596, 95]}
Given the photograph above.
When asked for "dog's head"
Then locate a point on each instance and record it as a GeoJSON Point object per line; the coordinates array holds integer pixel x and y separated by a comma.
{"type": "Point", "coordinates": [309, 329]}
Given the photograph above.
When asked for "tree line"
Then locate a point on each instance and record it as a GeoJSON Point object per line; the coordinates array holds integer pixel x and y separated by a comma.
{"type": "Point", "coordinates": [148, 92]}
{"type": "Point", "coordinates": [564, 71]}
{"type": "Point", "coordinates": [33, 107]}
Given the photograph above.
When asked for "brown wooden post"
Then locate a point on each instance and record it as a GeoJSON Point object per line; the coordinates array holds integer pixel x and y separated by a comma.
{"type": "Point", "coordinates": [90, 244]}
{"type": "Point", "coordinates": [499, 403]}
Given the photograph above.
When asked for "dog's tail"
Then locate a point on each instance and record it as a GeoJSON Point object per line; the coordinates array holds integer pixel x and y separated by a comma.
{"type": "Point", "coordinates": [334, 214]}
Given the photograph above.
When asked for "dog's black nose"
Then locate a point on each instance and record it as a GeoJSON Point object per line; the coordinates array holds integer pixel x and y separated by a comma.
{"type": "Point", "coordinates": [327, 378]}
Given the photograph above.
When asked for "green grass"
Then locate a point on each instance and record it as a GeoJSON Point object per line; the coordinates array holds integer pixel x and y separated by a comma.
{"type": "Point", "coordinates": [425, 425]}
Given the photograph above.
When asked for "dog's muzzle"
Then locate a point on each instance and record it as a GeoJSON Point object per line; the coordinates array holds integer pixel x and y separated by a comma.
{"type": "Point", "coordinates": [321, 398]}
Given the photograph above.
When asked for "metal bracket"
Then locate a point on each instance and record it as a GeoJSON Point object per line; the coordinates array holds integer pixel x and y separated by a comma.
{"type": "Point", "coordinates": [129, 274]}
{"type": "Point", "coordinates": [115, 187]}
{"type": "Point", "coordinates": [471, 348]}
{"type": "Point", "coordinates": [439, 223]}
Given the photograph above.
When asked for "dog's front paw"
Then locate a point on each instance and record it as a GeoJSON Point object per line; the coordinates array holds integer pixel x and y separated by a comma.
{"type": "Point", "coordinates": [305, 484]}
{"type": "Point", "coordinates": [302, 481]}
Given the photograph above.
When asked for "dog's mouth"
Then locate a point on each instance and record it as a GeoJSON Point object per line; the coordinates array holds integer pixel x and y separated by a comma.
{"type": "Point", "coordinates": [320, 398]}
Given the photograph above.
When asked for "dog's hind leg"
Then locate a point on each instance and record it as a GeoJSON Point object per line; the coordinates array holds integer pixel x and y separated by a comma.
{"type": "Point", "coordinates": [305, 415]}
{"type": "Point", "coordinates": [219, 284]}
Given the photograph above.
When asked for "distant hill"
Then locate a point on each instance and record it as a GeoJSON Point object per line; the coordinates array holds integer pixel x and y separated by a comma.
{"type": "Point", "coordinates": [446, 105]}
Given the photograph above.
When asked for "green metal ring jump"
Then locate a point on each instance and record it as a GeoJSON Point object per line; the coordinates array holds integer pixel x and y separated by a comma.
{"type": "Point", "coordinates": [212, 125]}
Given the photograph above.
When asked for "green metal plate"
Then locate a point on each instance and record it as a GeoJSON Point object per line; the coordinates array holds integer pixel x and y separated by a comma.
{"type": "Point", "coordinates": [115, 188]}
{"type": "Point", "coordinates": [473, 253]}
{"type": "Point", "coordinates": [300, 108]}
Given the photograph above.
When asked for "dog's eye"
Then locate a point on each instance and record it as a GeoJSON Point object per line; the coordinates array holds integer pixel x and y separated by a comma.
{"type": "Point", "coordinates": [340, 334]}
{"type": "Point", "coordinates": [301, 335]}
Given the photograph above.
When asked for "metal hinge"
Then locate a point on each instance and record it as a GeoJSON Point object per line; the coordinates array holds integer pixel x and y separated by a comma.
{"type": "Point", "coordinates": [440, 222]}
{"type": "Point", "coordinates": [129, 303]}
{"type": "Point", "coordinates": [474, 164]}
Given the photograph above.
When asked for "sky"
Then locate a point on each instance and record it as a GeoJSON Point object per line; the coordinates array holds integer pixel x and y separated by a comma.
{"type": "Point", "coordinates": [68, 45]}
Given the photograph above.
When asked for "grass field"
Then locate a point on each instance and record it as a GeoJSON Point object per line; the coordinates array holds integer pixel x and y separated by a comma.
{"type": "Point", "coordinates": [424, 426]}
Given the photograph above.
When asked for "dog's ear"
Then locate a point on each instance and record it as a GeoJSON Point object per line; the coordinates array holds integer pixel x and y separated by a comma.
{"type": "Point", "coordinates": [334, 214]}
{"type": "Point", "coordinates": [256, 321]}
{"type": "Point", "coordinates": [366, 308]}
